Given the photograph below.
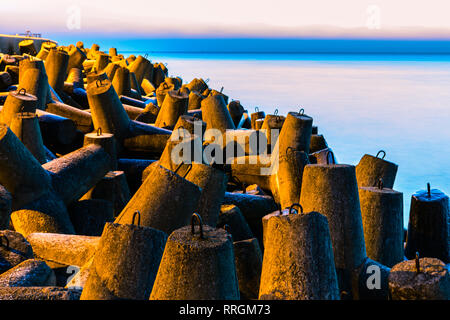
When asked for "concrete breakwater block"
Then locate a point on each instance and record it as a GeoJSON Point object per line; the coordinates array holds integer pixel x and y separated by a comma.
{"type": "Point", "coordinates": [38, 293]}
{"type": "Point", "coordinates": [14, 249]}
{"type": "Point", "coordinates": [29, 273]}
{"type": "Point", "coordinates": [371, 169]}
{"type": "Point", "coordinates": [232, 217]}
{"type": "Point", "coordinates": [125, 264]}
{"type": "Point", "coordinates": [197, 265]}
{"type": "Point", "coordinates": [248, 259]}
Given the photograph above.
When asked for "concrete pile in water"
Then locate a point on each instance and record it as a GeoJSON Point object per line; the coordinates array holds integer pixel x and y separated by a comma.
{"type": "Point", "coordinates": [118, 181]}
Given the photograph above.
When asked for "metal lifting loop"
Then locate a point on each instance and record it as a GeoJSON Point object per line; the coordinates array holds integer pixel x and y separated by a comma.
{"type": "Point", "coordinates": [97, 83]}
{"type": "Point", "coordinates": [417, 262]}
{"type": "Point", "coordinates": [181, 127]}
{"type": "Point", "coordinates": [221, 90]}
{"type": "Point", "coordinates": [383, 152]}
{"type": "Point", "coordinates": [99, 131]}
{"type": "Point", "coordinates": [256, 109]}
{"type": "Point", "coordinates": [196, 216]}
{"type": "Point", "coordinates": [301, 111]}
{"type": "Point", "coordinates": [380, 184]}
{"type": "Point", "coordinates": [136, 213]}
{"type": "Point", "coordinates": [7, 241]}
{"type": "Point", "coordinates": [295, 205]}
{"type": "Point", "coordinates": [275, 112]}
{"type": "Point", "coordinates": [206, 81]}
{"type": "Point", "coordinates": [22, 91]}
{"type": "Point", "coordinates": [329, 152]}
{"type": "Point", "coordinates": [226, 227]}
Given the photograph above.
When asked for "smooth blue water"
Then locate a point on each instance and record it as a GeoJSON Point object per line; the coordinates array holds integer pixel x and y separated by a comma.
{"type": "Point", "coordinates": [361, 102]}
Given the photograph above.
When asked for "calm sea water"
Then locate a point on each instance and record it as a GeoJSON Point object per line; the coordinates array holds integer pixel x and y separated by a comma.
{"type": "Point", "coordinates": [361, 103]}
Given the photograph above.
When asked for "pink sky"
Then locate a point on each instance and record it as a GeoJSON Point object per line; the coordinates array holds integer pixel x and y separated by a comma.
{"type": "Point", "coordinates": [231, 17]}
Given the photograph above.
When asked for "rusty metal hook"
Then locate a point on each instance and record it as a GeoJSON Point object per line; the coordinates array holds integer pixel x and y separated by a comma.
{"type": "Point", "coordinates": [196, 216]}
{"type": "Point", "coordinates": [7, 241]}
{"type": "Point", "coordinates": [275, 112]}
{"type": "Point", "coordinates": [383, 152]}
{"type": "Point", "coordinates": [99, 131]}
{"type": "Point", "coordinates": [417, 262]}
{"type": "Point", "coordinates": [221, 90]}
{"type": "Point", "coordinates": [97, 82]}
{"type": "Point", "coordinates": [301, 111]}
{"type": "Point", "coordinates": [380, 184]}
{"type": "Point", "coordinates": [295, 205]}
{"type": "Point", "coordinates": [206, 81]}
{"type": "Point", "coordinates": [22, 90]}
{"type": "Point", "coordinates": [136, 213]}
{"type": "Point", "coordinates": [328, 157]}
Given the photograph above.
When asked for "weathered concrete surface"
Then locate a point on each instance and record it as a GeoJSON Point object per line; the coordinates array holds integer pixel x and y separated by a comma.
{"type": "Point", "coordinates": [29, 273]}
{"type": "Point", "coordinates": [197, 269]}
{"type": "Point", "coordinates": [248, 259]}
{"type": "Point", "coordinates": [371, 169]}
{"type": "Point", "coordinates": [125, 264]}
{"type": "Point", "coordinates": [432, 283]}
{"type": "Point", "coordinates": [237, 226]}
{"type": "Point", "coordinates": [63, 249]}
{"type": "Point", "coordinates": [14, 249]}
{"type": "Point", "coordinates": [38, 293]}
{"type": "Point", "coordinates": [298, 259]}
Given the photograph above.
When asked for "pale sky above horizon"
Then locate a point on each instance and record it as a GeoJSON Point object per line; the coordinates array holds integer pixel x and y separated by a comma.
{"type": "Point", "coordinates": [230, 17]}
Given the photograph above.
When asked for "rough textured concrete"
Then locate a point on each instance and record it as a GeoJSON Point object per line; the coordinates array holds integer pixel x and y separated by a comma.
{"type": "Point", "coordinates": [231, 216]}
{"type": "Point", "coordinates": [255, 116]}
{"type": "Point", "coordinates": [5, 208]}
{"type": "Point", "coordinates": [38, 293]}
{"type": "Point", "coordinates": [295, 133]}
{"type": "Point", "coordinates": [197, 269]}
{"type": "Point", "coordinates": [121, 82]}
{"type": "Point", "coordinates": [432, 283]}
{"type": "Point", "coordinates": [286, 183]}
{"type": "Point", "coordinates": [14, 249]}
{"type": "Point", "coordinates": [165, 200]}
{"type": "Point", "coordinates": [56, 130]}
{"type": "Point", "coordinates": [113, 188]}
{"type": "Point", "coordinates": [339, 202]}
{"type": "Point", "coordinates": [17, 101]}
{"type": "Point", "coordinates": [382, 217]}
{"type": "Point", "coordinates": [213, 184]}
{"type": "Point", "coordinates": [215, 114]}
{"type": "Point", "coordinates": [298, 259]}
{"type": "Point", "coordinates": [56, 67]}
{"type": "Point", "coordinates": [20, 173]}
{"type": "Point", "coordinates": [317, 143]}
{"type": "Point", "coordinates": [248, 259]}
{"type": "Point", "coordinates": [29, 273]}
{"type": "Point", "coordinates": [371, 169]}
{"type": "Point", "coordinates": [63, 249]}
{"type": "Point", "coordinates": [254, 208]}
{"type": "Point", "coordinates": [81, 118]}
{"type": "Point", "coordinates": [107, 142]}
{"type": "Point", "coordinates": [175, 105]}
{"type": "Point", "coordinates": [429, 226]}
{"type": "Point", "coordinates": [365, 275]}
{"type": "Point", "coordinates": [125, 264]}
{"type": "Point", "coordinates": [77, 172]}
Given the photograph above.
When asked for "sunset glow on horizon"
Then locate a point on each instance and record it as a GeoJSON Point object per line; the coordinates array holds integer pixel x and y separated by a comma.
{"type": "Point", "coordinates": [347, 18]}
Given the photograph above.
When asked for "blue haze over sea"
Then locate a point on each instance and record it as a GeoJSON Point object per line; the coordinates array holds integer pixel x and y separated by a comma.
{"type": "Point", "coordinates": [364, 95]}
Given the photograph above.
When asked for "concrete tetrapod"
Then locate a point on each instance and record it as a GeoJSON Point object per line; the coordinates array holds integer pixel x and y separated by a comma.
{"type": "Point", "coordinates": [255, 116]}
{"type": "Point", "coordinates": [429, 225]}
{"type": "Point", "coordinates": [197, 266]}
{"type": "Point", "coordinates": [371, 169]}
{"type": "Point", "coordinates": [5, 208]}
{"type": "Point", "coordinates": [420, 279]}
{"type": "Point", "coordinates": [125, 264]}
{"type": "Point", "coordinates": [17, 101]}
{"type": "Point", "coordinates": [29, 273]}
{"type": "Point", "coordinates": [215, 114]}
{"type": "Point", "coordinates": [382, 217]}
{"type": "Point", "coordinates": [298, 259]}
{"type": "Point", "coordinates": [295, 132]}
{"type": "Point", "coordinates": [339, 202]}
{"type": "Point", "coordinates": [26, 127]}
{"type": "Point", "coordinates": [175, 105]}
{"type": "Point", "coordinates": [165, 201]}
{"type": "Point", "coordinates": [56, 67]}
{"type": "Point", "coordinates": [232, 217]}
{"type": "Point", "coordinates": [106, 141]}
{"type": "Point", "coordinates": [249, 260]}
{"type": "Point", "coordinates": [14, 249]}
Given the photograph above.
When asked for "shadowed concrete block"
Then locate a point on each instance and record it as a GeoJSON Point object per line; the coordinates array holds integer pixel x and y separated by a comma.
{"type": "Point", "coordinates": [382, 217]}
{"type": "Point", "coordinates": [254, 208]}
{"type": "Point", "coordinates": [14, 249]}
{"type": "Point", "coordinates": [194, 268]}
{"type": "Point", "coordinates": [75, 173]}
{"type": "Point", "coordinates": [431, 283]}
{"type": "Point", "coordinates": [231, 216]}
{"type": "Point", "coordinates": [175, 105]}
{"type": "Point", "coordinates": [317, 143]}
{"type": "Point", "coordinates": [107, 141]}
{"type": "Point", "coordinates": [429, 225]}
{"type": "Point", "coordinates": [165, 200]}
{"type": "Point", "coordinates": [63, 249]}
{"type": "Point", "coordinates": [339, 202]}
{"type": "Point", "coordinates": [81, 118]}
{"type": "Point", "coordinates": [133, 169]}
{"type": "Point", "coordinates": [17, 101]}
{"type": "Point", "coordinates": [298, 259]}
{"type": "Point", "coordinates": [56, 67]}
{"type": "Point", "coordinates": [295, 133]}
{"type": "Point", "coordinates": [125, 264]}
{"type": "Point", "coordinates": [371, 281]}
{"type": "Point", "coordinates": [38, 293]}
{"type": "Point", "coordinates": [29, 273]}
{"type": "Point", "coordinates": [248, 259]}
{"type": "Point", "coordinates": [371, 169]}
{"type": "Point", "coordinates": [89, 216]}
{"type": "Point", "coordinates": [121, 82]}
{"type": "Point", "coordinates": [5, 208]}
